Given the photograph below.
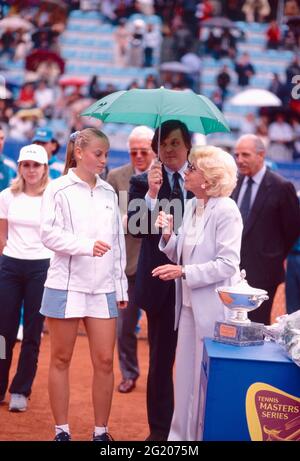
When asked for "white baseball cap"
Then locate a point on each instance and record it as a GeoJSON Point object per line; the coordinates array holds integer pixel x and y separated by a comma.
{"type": "Point", "coordinates": [35, 153]}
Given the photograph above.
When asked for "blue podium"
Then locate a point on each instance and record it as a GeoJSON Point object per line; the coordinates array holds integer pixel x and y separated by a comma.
{"type": "Point", "coordinates": [248, 393]}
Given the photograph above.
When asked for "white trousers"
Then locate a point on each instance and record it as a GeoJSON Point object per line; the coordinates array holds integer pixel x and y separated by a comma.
{"type": "Point", "coordinates": [185, 422]}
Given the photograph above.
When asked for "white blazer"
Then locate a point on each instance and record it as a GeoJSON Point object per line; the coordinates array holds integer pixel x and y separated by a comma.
{"type": "Point", "coordinates": [213, 260]}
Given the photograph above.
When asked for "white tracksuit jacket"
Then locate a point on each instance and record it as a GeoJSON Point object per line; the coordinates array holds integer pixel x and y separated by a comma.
{"type": "Point", "coordinates": [73, 218]}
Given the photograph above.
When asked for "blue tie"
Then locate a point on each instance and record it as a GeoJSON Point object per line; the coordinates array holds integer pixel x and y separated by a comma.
{"type": "Point", "coordinates": [176, 192]}
{"type": "Point", "coordinates": [246, 201]}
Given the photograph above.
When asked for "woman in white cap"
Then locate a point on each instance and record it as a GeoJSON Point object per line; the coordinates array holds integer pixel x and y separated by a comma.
{"type": "Point", "coordinates": [24, 262]}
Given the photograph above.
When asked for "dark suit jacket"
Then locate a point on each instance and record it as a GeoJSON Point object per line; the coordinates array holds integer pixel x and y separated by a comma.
{"type": "Point", "coordinates": [119, 179]}
{"type": "Point", "coordinates": [271, 229]}
{"type": "Point", "coordinates": [151, 292]}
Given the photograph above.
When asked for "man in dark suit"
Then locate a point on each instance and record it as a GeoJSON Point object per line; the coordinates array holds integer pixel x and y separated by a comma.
{"type": "Point", "coordinates": [153, 192]}
{"type": "Point", "coordinates": [271, 216]}
{"type": "Point", "coordinates": [141, 157]}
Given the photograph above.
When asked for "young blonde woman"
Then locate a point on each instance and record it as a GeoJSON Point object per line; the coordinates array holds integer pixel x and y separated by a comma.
{"type": "Point", "coordinates": [86, 279]}
{"type": "Point", "coordinates": [24, 263]}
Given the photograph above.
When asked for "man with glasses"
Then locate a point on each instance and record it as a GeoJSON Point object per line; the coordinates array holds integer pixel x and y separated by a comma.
{"type": "Point", "coordinates": [270, 210]}
{"type": "Point", "coordinates": [141, 157]}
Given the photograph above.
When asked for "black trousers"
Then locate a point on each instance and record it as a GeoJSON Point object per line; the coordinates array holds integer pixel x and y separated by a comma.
{"type": "Point", "coordinates": [162, 346]}
{"type": "Point", "coordinates": [263, 313]}
{"type": "Point", "coordinates": [21, 281]}
{"type": "Point", "coordinates": [127, 339]}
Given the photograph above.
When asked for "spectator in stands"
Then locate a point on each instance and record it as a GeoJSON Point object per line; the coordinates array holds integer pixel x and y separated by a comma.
{"type": "Point", "coordinates": [289, 40]}
{"type": "Point", "coordinates": [7, 44]}
{"type": "Point", "coordinates": [271, 216]}
{"type": "Point", "coordinates": [8, 167]}
{"type": "Point", "coordinates": [244, 70]}
{"type": "Point", "coordinates": [23, 269]}
{"type": "Point", "coordinates": [94, 90]}
{"type": "Point", "coordinates": [223, 81]}
{"type": "Point", "coordinates": [217, 98]}
{"type": "Point", "coordinates": [273, 35]}
{"type": "Point", "coordinates": [205, 10]}
{"type": "Point", "coordinates": [248, 124]}
{"type": "Point", "coordinates": [151, 82]}
{"type": "Point", "coordinates": [21, 126]}
{"type": "Point", "coordinates": [167, 48]}
{"type": "Point", "coordinates": [227, 44]}
{"type": "Point", "coordinates": [281, 139]}
{"type": "Point", "coordinates": [277, 87]}
{"type": "Point", "coordinates": [295, 124]}
{"type": "Point", "coordinates": [44, 97]}
{"type": "Point", "coordinates": [183, 41]}
{"type": "Point", "coordinates": [212, 44]}
{"type": "Point", "coordinates": [45, 137]}
{"type": "Point", "coordinates": [26, 97]}
{"type": "Point", "coordinates": [232, 10]}
{"type": "Point", "coordinates": [151, 43]}
{"type": "Point", "coordinates": [144, 6]}
{"type": "Point", "coordinates": [256, 10]}
{"type": "Point", "coordinates": [194, 64]}
{"type": "Point", "coordinates": [136, 44]}
{"type": "Point", "coordinates": [122, 39]}
{"type": "Point", "coordinates": [94, 285]}
{"type": "Point", "coordinates": [133, 84]}
{"type": "Point", "coordinates": [291, 8]}
{"type": "Point", "coordinates": [141, 157]}
{"type": "Point", "coordinates": [293, 69]}
{"type": "Point", "coordinates": [163, 181]}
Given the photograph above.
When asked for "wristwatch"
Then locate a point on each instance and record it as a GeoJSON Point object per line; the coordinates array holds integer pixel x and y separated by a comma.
{"type": "Point", "coordinates": [183, 272]}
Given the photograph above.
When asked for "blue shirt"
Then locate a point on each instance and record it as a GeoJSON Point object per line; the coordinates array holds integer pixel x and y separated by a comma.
{"type": "Point", "coordinates": [7, 171]}
{"type": "Point", "coordinates": [56, 167]}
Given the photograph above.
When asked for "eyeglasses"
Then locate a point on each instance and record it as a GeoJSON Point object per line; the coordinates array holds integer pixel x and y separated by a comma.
{"type": "Point", "coordinates": [135, 152]}
{"type": "Point", "coordinates": [190, 167]}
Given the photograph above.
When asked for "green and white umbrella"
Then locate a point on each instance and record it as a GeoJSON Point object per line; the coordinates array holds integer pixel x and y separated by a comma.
{"type": "Point", "coordinates": [154, 106]}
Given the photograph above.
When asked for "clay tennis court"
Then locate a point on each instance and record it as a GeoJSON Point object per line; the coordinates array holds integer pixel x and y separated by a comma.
{"type": "Point", "coordinates": [128, 419]}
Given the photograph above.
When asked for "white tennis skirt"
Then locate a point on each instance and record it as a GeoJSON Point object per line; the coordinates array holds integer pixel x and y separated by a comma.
{"type": "Point", "coordinates": [64, 304]}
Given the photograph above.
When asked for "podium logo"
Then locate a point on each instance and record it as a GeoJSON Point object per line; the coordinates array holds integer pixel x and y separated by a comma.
{"type": "Point", "coordinates": [272, 414]}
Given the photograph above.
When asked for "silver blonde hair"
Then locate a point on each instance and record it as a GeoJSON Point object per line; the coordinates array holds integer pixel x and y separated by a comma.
{"type": "Point", "coordinates": [218, 167]}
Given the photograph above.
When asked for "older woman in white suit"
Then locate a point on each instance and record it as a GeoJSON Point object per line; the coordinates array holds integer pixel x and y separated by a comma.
{"type": "Point", "coordinates": [206, 253]}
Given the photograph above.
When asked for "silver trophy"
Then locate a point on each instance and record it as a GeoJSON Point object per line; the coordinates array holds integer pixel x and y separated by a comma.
{"type": "Point", "coordinates": [240, 299]}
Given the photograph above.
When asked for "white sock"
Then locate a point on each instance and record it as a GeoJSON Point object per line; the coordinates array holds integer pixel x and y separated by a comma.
{"type": "Point", "coordinates": [99, 430]}
{"type": "Point", "coordinates": [62, 428]}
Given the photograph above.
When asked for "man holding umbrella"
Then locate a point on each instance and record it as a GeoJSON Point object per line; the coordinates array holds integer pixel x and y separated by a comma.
{"type": "Point", "coordinates": [157, 298]}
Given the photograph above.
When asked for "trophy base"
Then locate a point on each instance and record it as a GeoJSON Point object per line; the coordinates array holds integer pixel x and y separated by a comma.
{"type": "Point", "coordinates": [250, 334]}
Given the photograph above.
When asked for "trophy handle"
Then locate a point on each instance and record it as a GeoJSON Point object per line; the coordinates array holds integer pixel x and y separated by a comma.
{"type": "Point", "coordinates": [260, 298]}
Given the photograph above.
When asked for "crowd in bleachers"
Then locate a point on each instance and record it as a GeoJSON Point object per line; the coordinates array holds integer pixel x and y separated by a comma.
{"type": "Point", "coordinates": [56, 61]}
